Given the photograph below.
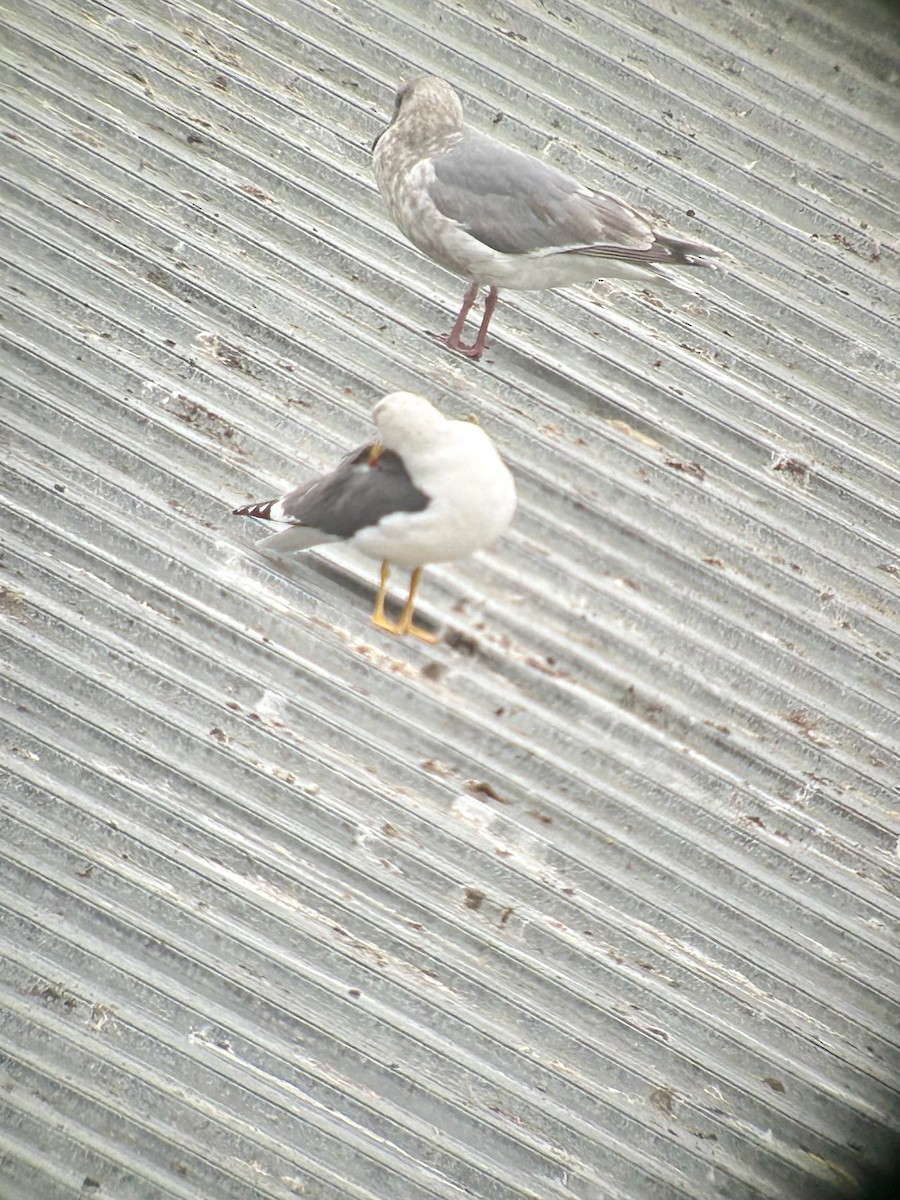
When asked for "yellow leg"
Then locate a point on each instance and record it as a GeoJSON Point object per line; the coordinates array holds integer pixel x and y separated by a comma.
{"type": "Point", "coordinates": [405, 624]}
{"type": "Point", "coordinates": [378, 617]}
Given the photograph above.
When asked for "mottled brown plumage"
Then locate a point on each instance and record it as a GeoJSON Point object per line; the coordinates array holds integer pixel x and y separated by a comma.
{"type": "Point", "coordinates": [501, 218]}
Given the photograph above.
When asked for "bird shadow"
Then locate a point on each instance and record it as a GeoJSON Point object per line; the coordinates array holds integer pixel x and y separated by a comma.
{"type": "Point", "coordinates": [345, 580]}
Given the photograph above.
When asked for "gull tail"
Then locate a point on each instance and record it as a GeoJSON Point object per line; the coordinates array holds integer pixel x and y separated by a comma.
{"type": "Point", "coordinates": [296, 536]}
{"type": "Point", "coordinates": [684, 253]}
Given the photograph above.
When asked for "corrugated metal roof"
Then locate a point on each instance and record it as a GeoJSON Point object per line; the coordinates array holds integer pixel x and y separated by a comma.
{"type": "Point", "coordinates": [596, 898]}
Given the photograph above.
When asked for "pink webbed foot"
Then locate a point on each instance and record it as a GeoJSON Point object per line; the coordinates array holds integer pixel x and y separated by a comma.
{"type": "Point", "coordinates": [453, 339]}
{"type": "Point", "coordinates": [473, 351]}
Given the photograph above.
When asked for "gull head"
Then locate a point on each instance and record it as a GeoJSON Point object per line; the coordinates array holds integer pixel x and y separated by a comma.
{"type": "Point", "coordinates": [425, 108]}
{"type": "Point", "coordinates": [406, 420]}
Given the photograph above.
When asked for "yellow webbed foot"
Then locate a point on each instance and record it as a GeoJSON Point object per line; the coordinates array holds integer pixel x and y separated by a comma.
{"type": "Point", "coordinates": [405, 625]}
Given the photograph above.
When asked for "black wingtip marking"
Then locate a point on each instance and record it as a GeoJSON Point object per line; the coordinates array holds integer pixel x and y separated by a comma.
{"type": "Point", "coordinates": [262, 509]}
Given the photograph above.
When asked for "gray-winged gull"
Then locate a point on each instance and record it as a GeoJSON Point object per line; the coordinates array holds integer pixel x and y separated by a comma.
{"type": "Point", "coordinates": [428, 490]}
{"type": "Point", "coordinates": [502, 218]}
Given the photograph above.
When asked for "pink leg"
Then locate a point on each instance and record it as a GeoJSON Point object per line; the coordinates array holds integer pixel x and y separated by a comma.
{"type": "Point", "coordinates": [452, 340]}
{"type": "Point", "coordinates": [490, 304]}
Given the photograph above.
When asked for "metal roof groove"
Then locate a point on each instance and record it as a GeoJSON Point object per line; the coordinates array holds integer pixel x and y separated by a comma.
{"type": "Point", "coordinates": [596, 897]}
